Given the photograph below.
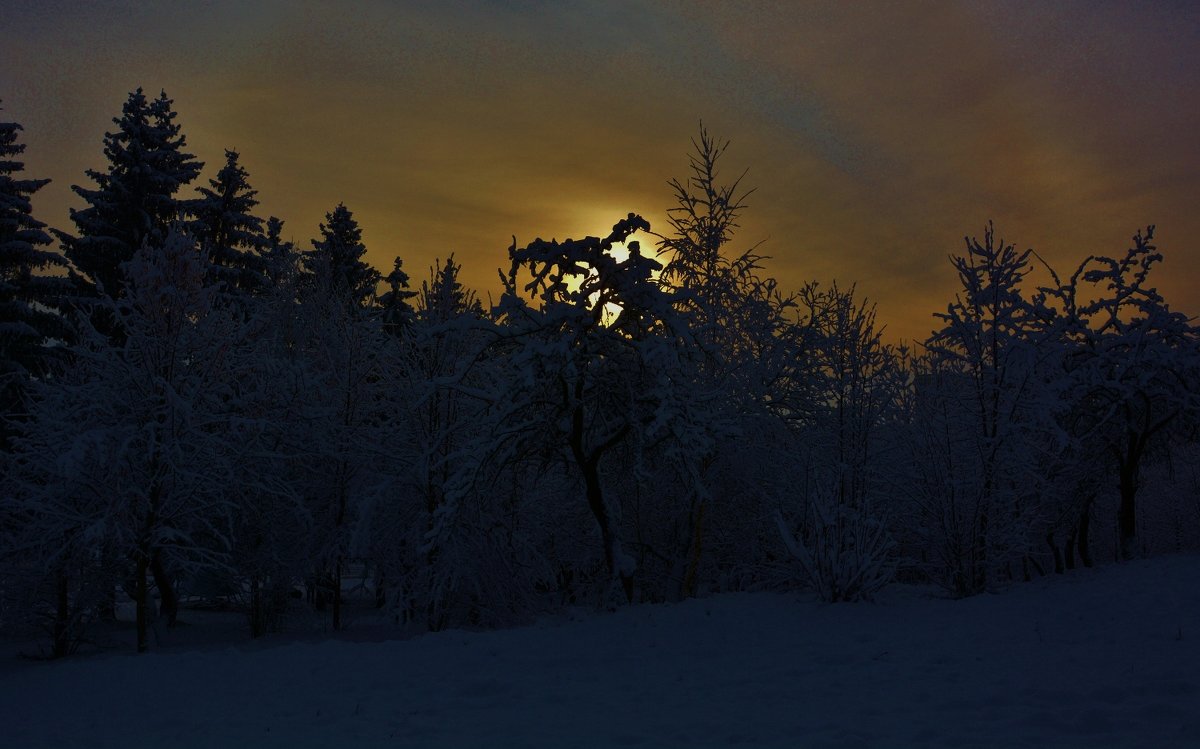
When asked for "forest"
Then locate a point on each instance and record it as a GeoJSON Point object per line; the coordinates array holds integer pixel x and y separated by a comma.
{"type": "Point", "coordinates": [197, 407]}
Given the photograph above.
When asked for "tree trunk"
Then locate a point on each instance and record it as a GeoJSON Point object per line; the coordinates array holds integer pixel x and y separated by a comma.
{"type": "Point", "coordinates": [595, 497]}
{"type": "Point", "coordinates": [380, 590]}
{"type": "Point", "coordinates": [107, 608]}
{"type": "Point", "coordinates": [1058, 557]}
{"type": "Point", "coordinates": [168, 607]}
{"type": "Point", "coordinates": [142, 592]}
{"type": "Point", "coordinates": [689, 578]}
{"type": "Point", "coordinates": [1085, 526]}
{"type": "Point", "coordinates": [1069, 548]}
{"type": "Point", "coordinates": [257, 615]}
{"type": "Point", "coordinates": [62, 616]}
{"type": "Point", "coordinates": [589, 465]}
{"type": "Point", "coordinates": [1127, 512]}
{"type": "Point", "coordinates": [979, 554]}
{"type": "Point", "coordinates": [337, 595]}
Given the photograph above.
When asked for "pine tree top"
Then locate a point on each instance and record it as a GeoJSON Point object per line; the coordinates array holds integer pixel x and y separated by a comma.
{"type": "Point", "coordinates": [224, 223]}
{"type": "Point", "coordinates": [397, 311]}
{"type": "Point", "coordinates": [335, 262]}
{"type": "Point", "coordinates": [443, 297]}
{"type": "Point", "coordinates": [134, 198]}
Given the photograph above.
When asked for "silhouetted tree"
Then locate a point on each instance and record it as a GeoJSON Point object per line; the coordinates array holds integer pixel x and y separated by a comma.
{"type": "Point", "coordinates": [984, 384]}
{"type": "Point", "coordinates": [232, 235]}
{"type": "Point", "coordinates": [335, 263]}
{"type": "Point", "coordinates": [600, 361]}
{"type": "Point", "coordinates": [281, 261]}
{"type": "Point", "coordinates": [702, 223]}
{"type": "Point", "coordinates": [28, 295]}
{"type": "Point", "coordinates": [737, 314]}
{"type": "Point", "coordinates": [837, 532]}
{"type": "Point", "coordinates": [134, 200]}
{"type": "Point", "coordinates": [1133, 366]}
{"type": "Point", "coordinates": [28, 323]}
{"type": "Point", "coordinates": [749, 354]}
{"type": "Point", "coordinates": [443, 297]}
{"type": "Point", "coordinates": [397, 310]}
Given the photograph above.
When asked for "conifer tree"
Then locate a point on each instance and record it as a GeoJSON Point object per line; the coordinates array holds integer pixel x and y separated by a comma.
{"type": "Point", "coordinates": [442, 297]}
{"type": "Point", "coordinates": [750, 351]}
{"type": "Point", "coordinates": [135, 197]}
{"type": "Point", "coordinates": [123, 465]}
{"type": "Point", "coordinates": [335, 263]}
{"type": "Point", "coordinates": [23, 326]}
{"type": "Point", "coordinates": [27, 296]}
{"type": "Point", "coordinates": [233, 236]}
{"type": "Point", "coordinates": [280, 263]}
{"type": "Point", "coordinates": [397, 311]}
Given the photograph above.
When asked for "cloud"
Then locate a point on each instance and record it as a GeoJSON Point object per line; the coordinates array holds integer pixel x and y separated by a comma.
{"type": "Point", "coordinates": [877, 134]}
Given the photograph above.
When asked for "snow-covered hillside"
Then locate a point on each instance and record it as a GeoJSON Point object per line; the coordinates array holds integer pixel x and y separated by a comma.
{"type": "Point", "coordinates": [1105, 658]}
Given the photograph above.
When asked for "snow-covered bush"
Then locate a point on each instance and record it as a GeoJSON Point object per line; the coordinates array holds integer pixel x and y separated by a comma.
{"type": "Point", "coordinates": [846, 553]}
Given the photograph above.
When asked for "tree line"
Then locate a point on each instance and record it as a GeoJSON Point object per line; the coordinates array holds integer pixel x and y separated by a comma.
{"type": "Point", "coordinates": [190, 400]}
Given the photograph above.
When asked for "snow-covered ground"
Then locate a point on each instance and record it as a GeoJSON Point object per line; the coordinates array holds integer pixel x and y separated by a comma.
{"type": "Point", "coordinates": [1104, 658]}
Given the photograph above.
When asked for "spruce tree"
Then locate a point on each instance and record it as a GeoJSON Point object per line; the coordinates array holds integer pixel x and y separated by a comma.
{"type": "Point", "coordinates": [227, 229]}
{"type": "Point", "coordinates": [134, 199]}
{"type": "Point", "coordinates": [280, 261]}
{"type": "Point", "coordinates": [397, 311]}
{"type": "Point", "coordinates": [335, 264]}
{"type": "Point", "coordinates": [27, 295]}
{"type": "Point", "coordinates": [442, 297]}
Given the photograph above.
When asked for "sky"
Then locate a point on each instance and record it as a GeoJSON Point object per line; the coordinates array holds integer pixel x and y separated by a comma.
{"type": "Point", "coordinates": [876, 135]}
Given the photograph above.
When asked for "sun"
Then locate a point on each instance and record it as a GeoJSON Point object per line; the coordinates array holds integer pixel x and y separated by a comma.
{"type": "Point", "coordinates": [598, 222]}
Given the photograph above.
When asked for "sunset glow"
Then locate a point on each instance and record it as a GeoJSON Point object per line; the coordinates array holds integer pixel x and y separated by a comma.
{"type": "Point", "coordinates": [599, 372]}
{"type": "Point", "coordinates": [877, 135]}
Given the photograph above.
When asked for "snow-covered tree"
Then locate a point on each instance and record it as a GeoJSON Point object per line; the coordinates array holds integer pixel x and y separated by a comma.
{"type": "Point", "coordinates": [856, 381]}
{"type": "Point", "coordinates": [277, 429]}
{"type": "Point", "coordinates": [845, 449]}
{"type": "Point", "coordinates": [748, 356]}
{"type": "Point", "coordinates": [438, 528]}
{"type": "Point", "coordinates": [127, 456]}
{"type": "Point", "coordinates": [344, 356]}
{"type": "Point", "coordinates": [601, 362]}
{"type": "Point", "coordinates": [984, 421]}
{"type": "Point", "coordinates": [444, 535]}
{"type": "Point", "coordinates": [738, 316]}
{"type": "Point", "coordinates": [1133, 367]}
{"type": "Point", "coordinates": [281, 261]}
{"type": "Point", "coordinates": [134, 200]}
{"type": "Point", "coordinates": [28, 294]}
{"type": "Point", "coordinates": [29, 321]}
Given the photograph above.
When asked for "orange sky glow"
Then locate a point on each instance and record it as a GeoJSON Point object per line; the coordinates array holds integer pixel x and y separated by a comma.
{"type": "Point", "coordinates": [876, 134]}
